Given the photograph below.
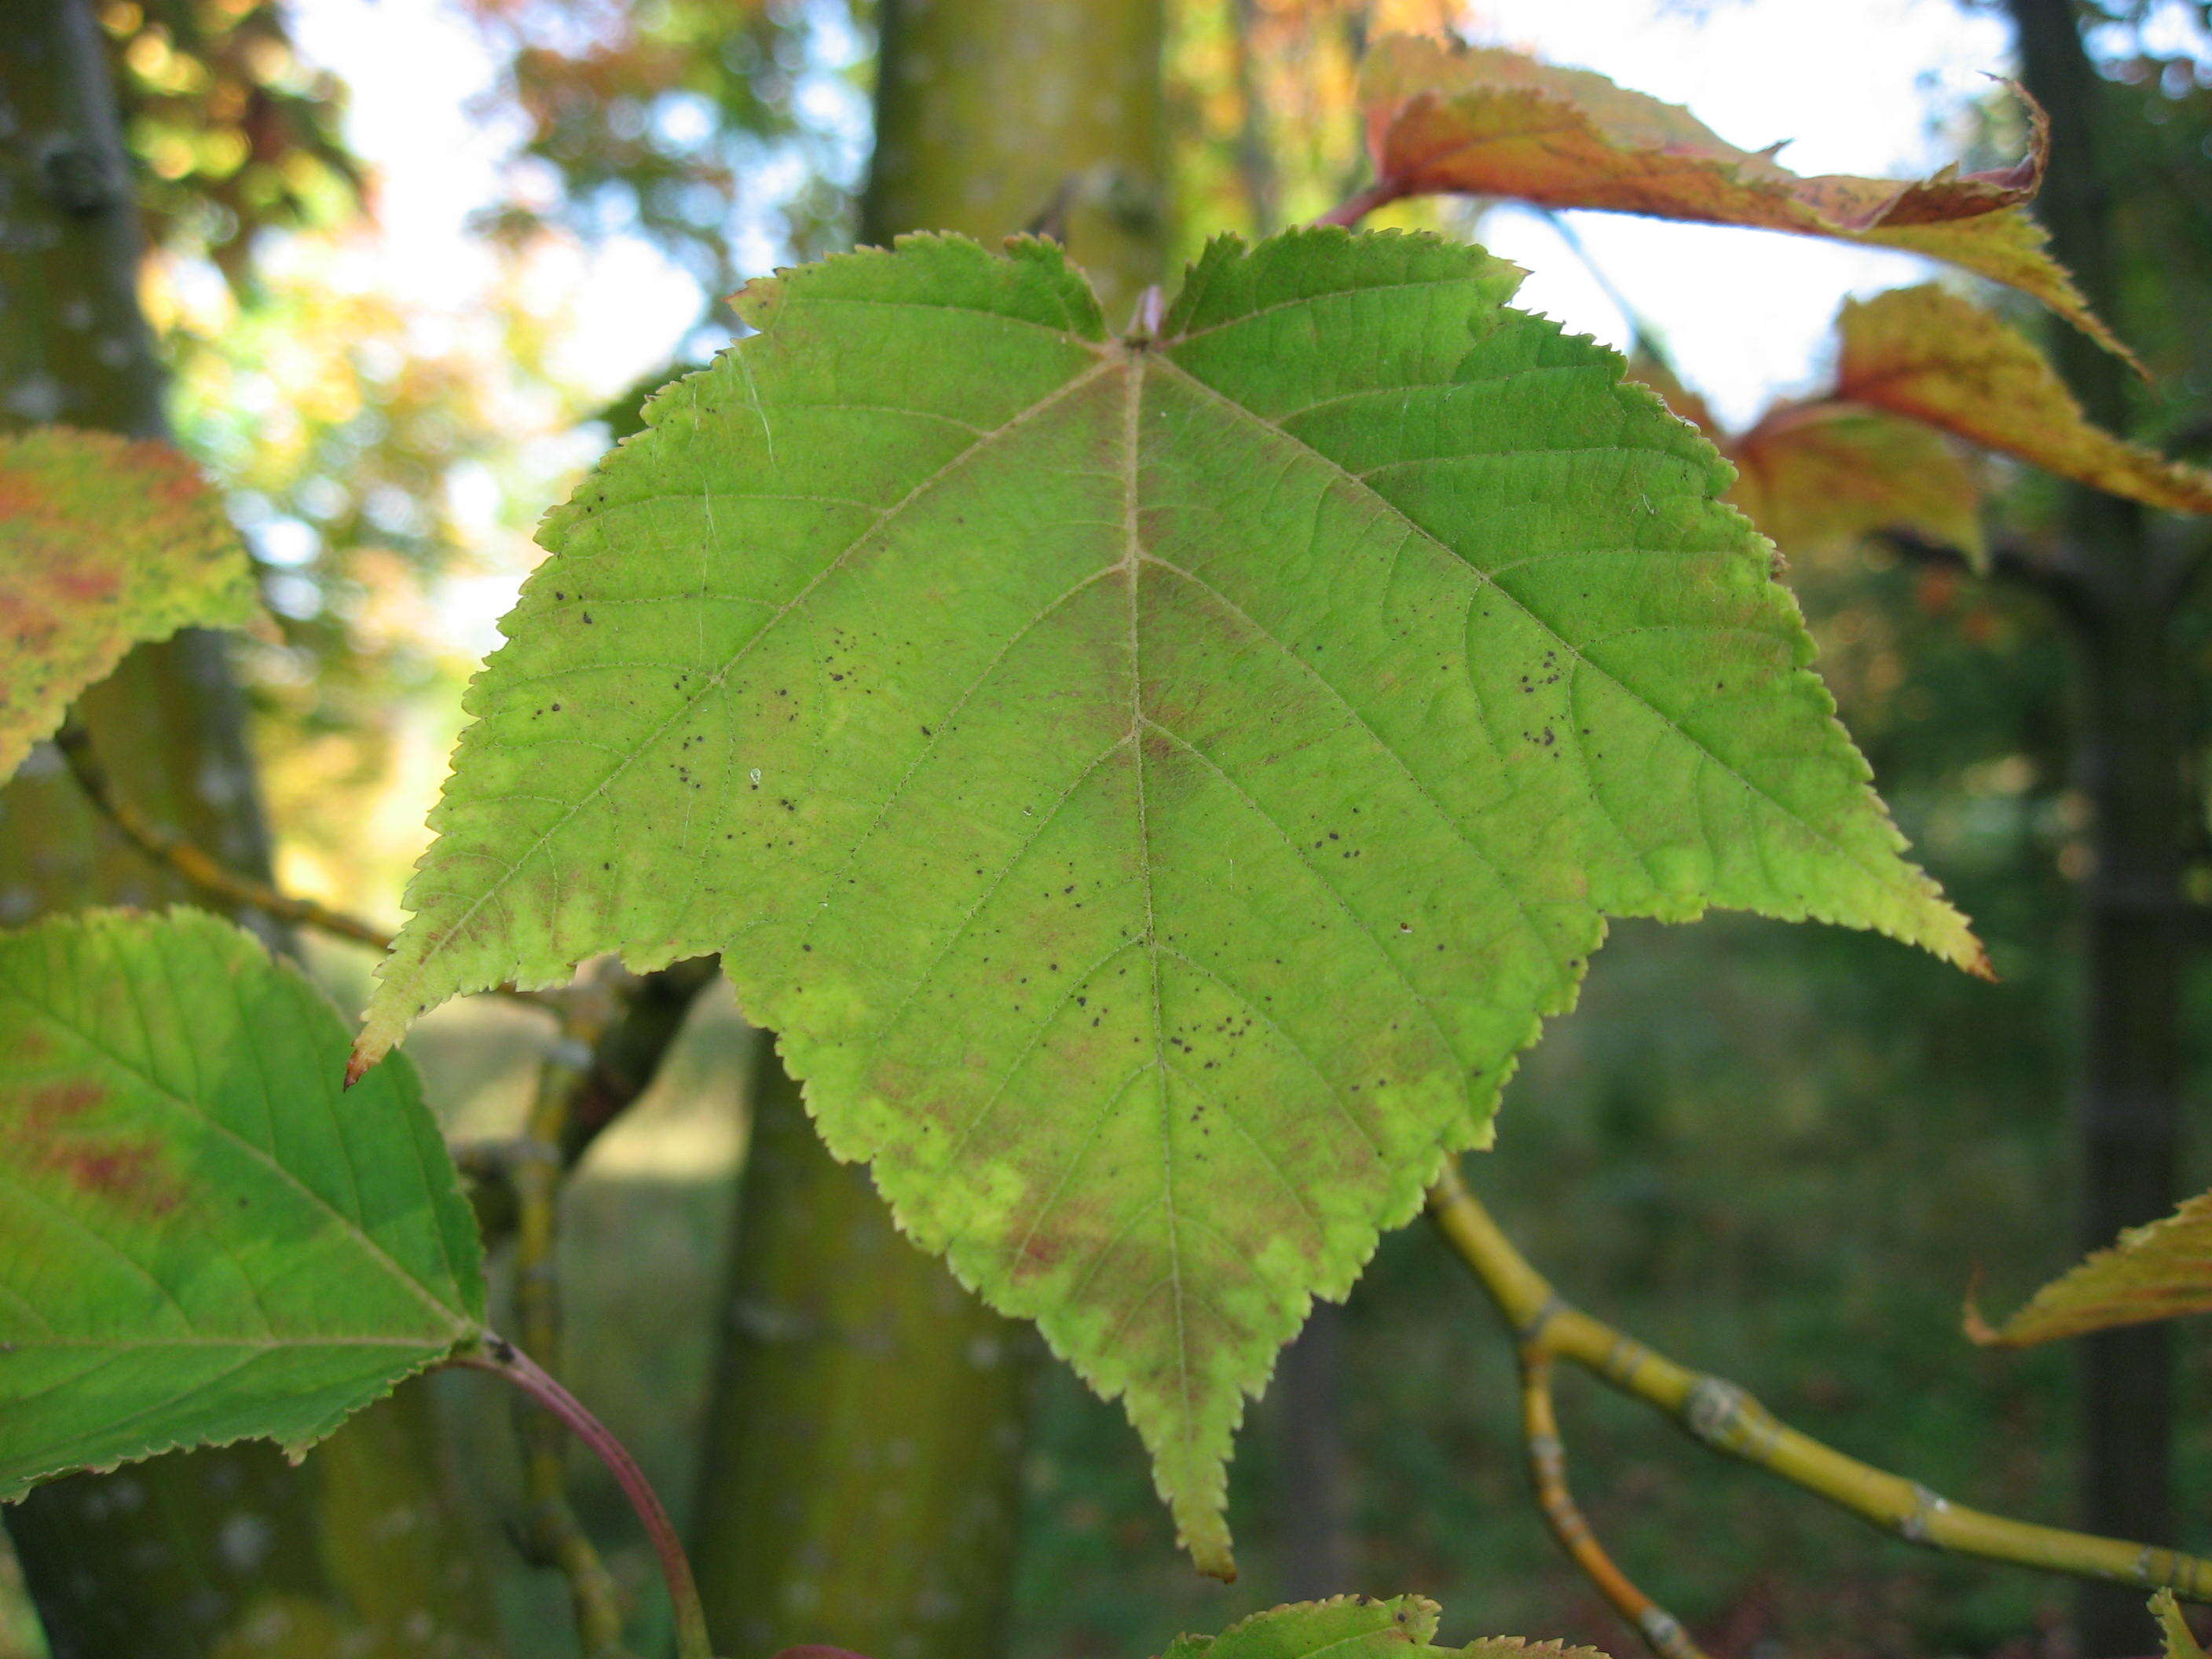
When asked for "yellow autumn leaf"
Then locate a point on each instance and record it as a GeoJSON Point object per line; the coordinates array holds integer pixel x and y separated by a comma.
{"type": "Point", "coordinates": [1930, 355]}
{"type": "Point", "coordinates": [2157, 1272]}
{"type": "Point", "coordinates": [1817, 477]}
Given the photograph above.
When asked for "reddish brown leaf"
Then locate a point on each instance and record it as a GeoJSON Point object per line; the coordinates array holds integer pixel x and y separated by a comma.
{"type": "Point", "coordinates": [1483, 121]}
{"type": "Point", "coordinates": [1817, 477]}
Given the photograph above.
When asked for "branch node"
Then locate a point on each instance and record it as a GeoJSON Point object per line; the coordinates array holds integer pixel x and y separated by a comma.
{"type": "Point", "coordinates": [188, 863]}
{"type": "Point", "coordinates": [1926, 1506]}
{"type": "Point", "coordinates": [1727, 1418]}
{"type": "Point", "coordinates": [1730, 1421]}
{"type": "Point", "coordinates": [1532, 1334]}
{"type": "Point", "coordinates": [1712, 1409]}
{"type": "Point", "coordinates": [1665, 1633]}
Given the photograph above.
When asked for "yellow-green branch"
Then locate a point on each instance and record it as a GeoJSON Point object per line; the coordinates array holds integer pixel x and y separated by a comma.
{"type": "Point", "coordinates": [1730, 1421]}
{"type": "Point", "coordinates": [193, 866]}
{"type": "Point", "coordinates": [173, 853]}
{"type": "Point", "coordinates": [535, 1177]}
{"type": "Point", "coordinates": [1547, 1471]}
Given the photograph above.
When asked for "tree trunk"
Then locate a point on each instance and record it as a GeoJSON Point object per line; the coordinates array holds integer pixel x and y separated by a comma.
{"type": "Point", "coordinates": [221, 1554]}
{"type": "Point", "coordinates": [2131, 759]}
{"type": "Point", "coordinates": [867, 1422]}
{"type": "Point", "coordinates": [998, 116]}
{"type": "Point", "coordinates": [864, 1440]}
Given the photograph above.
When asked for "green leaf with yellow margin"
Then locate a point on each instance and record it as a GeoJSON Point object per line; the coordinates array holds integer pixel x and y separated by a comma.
{"type": "Point", "coordinates": [1930, 355]}
{"type": "Point", "coordinates": [104, 543]}
{"type": "Point", "coordinates": [2158, 1272]}
{"type": "Point", "coordinates": [1154, 785]}
{"type": "Point", "coordinates": [199, 1242]}
{"type": "Point", "coordinates": [1345, 1626]}
{"type": "Point", "coordinates": [1445, 117]}
{"type": "Point", "coordinates": [1355, 1628]}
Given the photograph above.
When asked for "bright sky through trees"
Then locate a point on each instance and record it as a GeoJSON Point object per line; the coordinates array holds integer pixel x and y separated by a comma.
{"type": "Point", "coordinates": [1876, 87]}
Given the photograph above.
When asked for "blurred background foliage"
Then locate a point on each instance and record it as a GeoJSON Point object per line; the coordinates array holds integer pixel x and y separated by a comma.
{"type": "Point", "coordinates": [1780, 1154]}
{"type": "Point", "coordinates": [237, 135]}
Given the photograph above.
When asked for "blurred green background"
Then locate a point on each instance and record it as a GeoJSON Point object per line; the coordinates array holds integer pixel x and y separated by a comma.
{"type": "Point", "coordinates": [414, 264]}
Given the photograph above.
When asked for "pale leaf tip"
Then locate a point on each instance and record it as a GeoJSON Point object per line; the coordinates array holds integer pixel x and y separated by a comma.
{"type": "Point", "coordinates": [1206, 1538]}
{"type": "Point", "coordinates": [1978, 1330]}
{"type": "Point", "coordinates": [1949, 935]}
{"type": "Point", "coordinates": [380, 1031]}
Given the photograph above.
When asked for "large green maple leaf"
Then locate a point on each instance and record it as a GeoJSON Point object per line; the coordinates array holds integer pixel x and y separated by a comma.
{"type": "Point", "coordinates": [1154, 786]}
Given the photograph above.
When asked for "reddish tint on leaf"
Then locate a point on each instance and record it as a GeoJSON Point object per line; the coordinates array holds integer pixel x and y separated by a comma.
{"type": "Point", "coordinates": [60, 1133]}
{"type": "Point", "coordinates": [199, 1242]}
{"type": "Point", "coordinates": [1930, 355]}
{"type": "Point", "coordinates": [104, 543]}
{"type": "Point", "coordinates": [1445, 119]}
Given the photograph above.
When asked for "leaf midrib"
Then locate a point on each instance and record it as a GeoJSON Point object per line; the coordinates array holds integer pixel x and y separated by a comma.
{"type": "Point", "coordinates": [1850, 855]}
{"type": "Point", "coordinates": [267, 1345]}
{"type": "Point", "coordinates": [1132, 567]}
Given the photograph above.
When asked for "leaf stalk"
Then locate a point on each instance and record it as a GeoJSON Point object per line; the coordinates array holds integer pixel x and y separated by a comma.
{"type": "Point", "coordinates": [1349, 212]}
{"type": "Point", "coordinates": [535, 1179]}
{"type": "Point", "coordinates": [197, 869]}
{"type": "Point", "coordinates": [502, 1358]}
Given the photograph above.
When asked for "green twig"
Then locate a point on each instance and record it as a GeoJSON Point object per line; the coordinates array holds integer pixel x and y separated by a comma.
{"type": "Point", "coordinates": [1548, 1472]}
{"type": "Point", "coordinates": [193, 866]}
{"type": "Point", "coordinates": [625, 1058]}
